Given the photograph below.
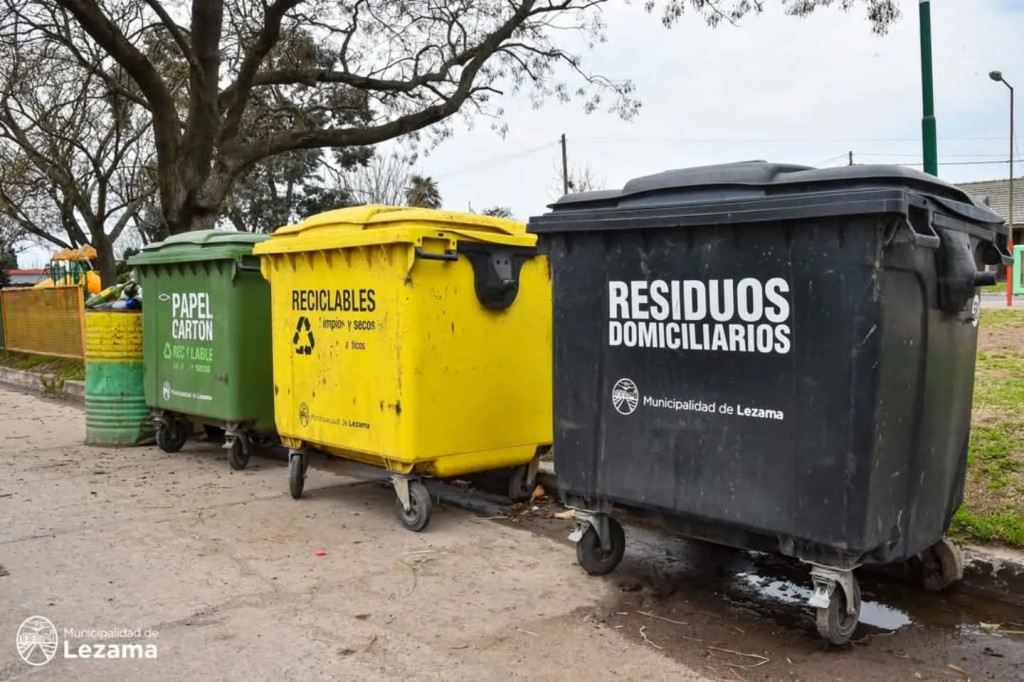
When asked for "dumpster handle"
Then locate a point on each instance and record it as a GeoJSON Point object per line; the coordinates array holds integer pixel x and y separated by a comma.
{"type": "Point", "coordinates": [922, 233]}
{"type": "Point", "coordinates": [449, 254]}
{"type": "Point", "coordinates": [240, 267]}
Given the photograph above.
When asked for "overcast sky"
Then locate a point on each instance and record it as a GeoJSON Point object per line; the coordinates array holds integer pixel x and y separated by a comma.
{"type": "Point", "coordinates": [777, 88]}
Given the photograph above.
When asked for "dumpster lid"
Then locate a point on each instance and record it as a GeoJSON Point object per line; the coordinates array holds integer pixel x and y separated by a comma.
{"type": "Point", "coordinates": [198, 245]}
{"type": "Point", "coordinates": [378, 224]}
{"type": "Point", "coordinates": [747, 191]}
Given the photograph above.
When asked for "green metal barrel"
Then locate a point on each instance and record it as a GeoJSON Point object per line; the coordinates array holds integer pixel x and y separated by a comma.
{"type": "Point", "coordinates": [115, 403]}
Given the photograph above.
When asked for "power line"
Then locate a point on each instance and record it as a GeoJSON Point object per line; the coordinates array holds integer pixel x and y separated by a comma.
{"type": "Point", "coordinates": [994, 157]}
{"type": "Point", "coordinates": [497, 160]}
{"type": "Point", "coordinates": [831, 159]}
{"type": "Point", "coordinates": [967, 163]}
{"type": "Point", "coordinates": [711, 140]}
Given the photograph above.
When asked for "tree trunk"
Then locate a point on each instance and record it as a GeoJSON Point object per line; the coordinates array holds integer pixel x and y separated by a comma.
{"type": "Point", "coordinates": [200, 207]}
{"type": "Point", "coordinates": [106, 262]}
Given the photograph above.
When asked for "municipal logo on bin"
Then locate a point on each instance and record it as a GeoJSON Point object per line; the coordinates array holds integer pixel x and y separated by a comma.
{"type": "Point", "coordinates": [976, 309]}
{"type": "Point", "coordinates": [625, 396]}
{"type": "Point", "coordinates": [37, 640]}
{"type": "Point", "coordinates": [304, 414]}
{"type": "Point", "coordinates": [166, 390]}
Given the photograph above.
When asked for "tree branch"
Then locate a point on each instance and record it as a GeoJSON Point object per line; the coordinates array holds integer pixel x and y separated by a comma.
{"type": "Point", "coordinates": [175, 31]}
{"type": "Point", "coordinates": [236, 157]}
{"type": "Point", "coordinates": [236, 96]}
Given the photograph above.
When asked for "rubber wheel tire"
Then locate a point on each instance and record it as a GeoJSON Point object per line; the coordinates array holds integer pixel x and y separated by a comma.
{"type": "Point", "coordinates": [238, 458]}
{"type": "Point", "coordinates": [213, 432]}
{"type": "Point", "coordinates": [418, 516]}
{"type": "Point", "coordinates": [835, 625]}
{"type": "Point", "coordinates": [171, 436]}
{"type": "Point", "coordinates": [296, 474]}
{"type": "Point", "coordinates": [520, 484]}
{"type": "Point", "coordinates": [939, 567]}
{"type": "Point", "coordinates": [590, 556]}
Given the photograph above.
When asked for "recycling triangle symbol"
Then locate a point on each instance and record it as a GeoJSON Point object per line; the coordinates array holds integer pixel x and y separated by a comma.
{"type": "Point", "coordinates": [167, 350]}
{"type": "Point", "coordinates": [303, 332]}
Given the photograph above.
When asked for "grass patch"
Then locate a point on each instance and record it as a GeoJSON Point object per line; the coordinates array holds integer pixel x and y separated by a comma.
{"type": "Point", "coordinates": [993, 508]}
{"type": "Point", "coordinates": [1004, 526]}
{"type": "Point", "coordinates": [997, 288]}
{"type": "Point", "coordinates": [64, 369]}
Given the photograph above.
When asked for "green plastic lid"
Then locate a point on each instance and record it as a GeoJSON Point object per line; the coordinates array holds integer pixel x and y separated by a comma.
{"type": "Point", "coordinates": [200, 245]}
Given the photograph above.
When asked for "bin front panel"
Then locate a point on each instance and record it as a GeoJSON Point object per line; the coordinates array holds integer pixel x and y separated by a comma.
{"type": "Point", "coordinates": [378, 351]}
{"type": "Point", "coordinates": [207, 341]}
{"type": "Point", "coordinates": [744, 415]}
{"type": "Point", "coordinates": [771, 356]}
{"type": "Point", "coordinates": [337, 346]}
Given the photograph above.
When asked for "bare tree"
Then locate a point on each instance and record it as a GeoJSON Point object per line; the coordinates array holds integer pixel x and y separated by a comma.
{"type": "Point", "coordinates": [581, 179]}
{"type": "Point", "coordinates": [382, 180]}
{"type": "Point", "coordinates": [72, 155]}
{"type": "Point", "coordinates": [388, 69]}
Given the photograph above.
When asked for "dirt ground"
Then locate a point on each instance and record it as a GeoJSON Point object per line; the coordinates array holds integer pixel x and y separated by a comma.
{"type": "Point", "coordinates": [223, 566]}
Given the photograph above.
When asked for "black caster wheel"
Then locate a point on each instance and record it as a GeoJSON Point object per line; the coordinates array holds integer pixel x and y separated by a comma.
{"type": "Point", "coordinates": [171, 435]}
{"type": "Point", "coordinates": [297, 474]}
{"type": "Point", "coordinates": [592, 558]}
{"type": "Point", "coordinates": [418, 515]}
{"type": "Point", "coordinates": [835, 625]}
{"type": "Point", "coordinates": [238, 458]}
{"type": "Point", "coordinates": [521, 484]}
{"type": "Point", "coordinates": [939, 567]}
{"type": "Point", "coordinates": [214, 433]}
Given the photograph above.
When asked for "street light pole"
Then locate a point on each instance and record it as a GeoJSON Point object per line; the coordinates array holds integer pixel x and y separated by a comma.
{"type": "Point", "coordinates": [928, 127]}
{"type": "Point", "coordinates": [998, 77]}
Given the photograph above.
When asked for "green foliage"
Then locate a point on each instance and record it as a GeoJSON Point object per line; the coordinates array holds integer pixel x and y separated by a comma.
{"type": "Point", "coordinates": [62, 368]}
{"type": "Point", "coordinates": [993, 508]}
{"type": "Point", "coordinates": [8, 261]}
{"type": "Point", "coordinates": [423, 192]}
{"type": "Point", "coordinates": [281, 190]}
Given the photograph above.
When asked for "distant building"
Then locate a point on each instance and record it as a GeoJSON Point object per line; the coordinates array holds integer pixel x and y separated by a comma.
{"type": "Point", "coordinates": [996, 193]}
{"type": "Point", "coordinates": [26, 278]}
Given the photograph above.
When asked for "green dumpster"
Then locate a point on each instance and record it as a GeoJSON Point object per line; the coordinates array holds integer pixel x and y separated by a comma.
{"type": "Point", "coordinates": [206, 339]}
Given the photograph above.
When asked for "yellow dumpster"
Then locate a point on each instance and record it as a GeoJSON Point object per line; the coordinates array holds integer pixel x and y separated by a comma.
{"type": "Point", "coordinates": [412, 339]}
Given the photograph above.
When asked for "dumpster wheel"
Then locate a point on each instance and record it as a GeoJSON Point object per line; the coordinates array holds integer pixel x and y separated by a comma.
{"type": "Point", "coordinates": [171, 435]}
{"type": "Point", "coordinates": [594, 559]}
{"type": "Point", "coordinates": [238, 454]}
{"type": "Point", "coordinates": [939, 566]}
{"type": "Point", "coordinates": [835, 622]}
{"type": "Point", "coordinates": [522, 480]}
{"type": "Point", "coordinates": [298, 463]}
{"type": "Point", "coordinates": [417, 516]}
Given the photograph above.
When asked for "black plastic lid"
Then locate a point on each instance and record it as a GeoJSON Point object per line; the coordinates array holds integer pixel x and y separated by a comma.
{"type": "Point", "coordinates": [753, 191]}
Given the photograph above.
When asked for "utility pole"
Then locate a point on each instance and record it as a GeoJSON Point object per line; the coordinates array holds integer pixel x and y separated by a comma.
{"type": "Point", "coordinates": [998, 77]}
{"type": "Point", "coordinates": [1010, 276]}
{"type": "Point", "coordinates": [565, 168]}
{"type": "Point", "coordinates": [928, 128]}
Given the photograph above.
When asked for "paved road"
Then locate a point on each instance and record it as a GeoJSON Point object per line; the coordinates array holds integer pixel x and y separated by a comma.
{"type": "Point", "coordinates": [990, 300]}
{"type": "Point", "coordinates": [223, 566]}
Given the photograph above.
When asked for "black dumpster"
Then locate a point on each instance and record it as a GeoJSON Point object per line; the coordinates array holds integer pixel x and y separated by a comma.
{"type": "Point", "coordinates": [772, 357]}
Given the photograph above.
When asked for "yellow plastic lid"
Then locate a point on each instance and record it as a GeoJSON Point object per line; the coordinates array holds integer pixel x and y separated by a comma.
{"type": "Point", "coordinates": [348, 226]}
